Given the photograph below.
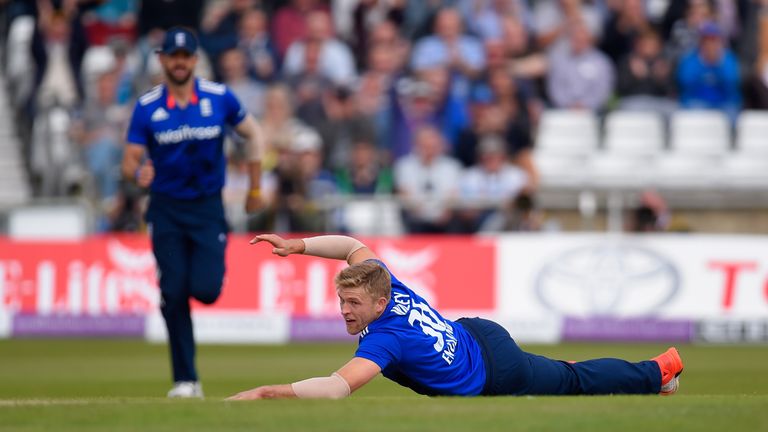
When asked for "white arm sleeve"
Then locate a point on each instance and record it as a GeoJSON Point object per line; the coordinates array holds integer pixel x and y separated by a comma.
{"type": "Point", "coordinates": [331, 246]}
{"type": "Point", "coordinates": [332, 387]}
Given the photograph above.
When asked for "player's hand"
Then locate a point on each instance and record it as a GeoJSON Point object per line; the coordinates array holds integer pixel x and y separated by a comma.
{"type": "Point", "coordinates": [146, 174]}
{"type": "Point", "coordinates": [280, 245]}
{"type": "Point", "coordinates": [280, 391]}
{"type": "Point", "coordinates": [253, 394]}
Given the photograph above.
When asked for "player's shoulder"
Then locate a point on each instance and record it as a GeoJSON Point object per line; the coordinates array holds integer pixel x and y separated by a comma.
{"type": "Point", "coordinates": [211, 87]}
{"type": "Point", "coordinates": [151, 96]}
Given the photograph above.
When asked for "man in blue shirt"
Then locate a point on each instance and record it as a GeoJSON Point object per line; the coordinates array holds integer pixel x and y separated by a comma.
{"type": "Point", "coordinates": [409, 342]}
{"type": "Point", "coordinates": [176, 148]}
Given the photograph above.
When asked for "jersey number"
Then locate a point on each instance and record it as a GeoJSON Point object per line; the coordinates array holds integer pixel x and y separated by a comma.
{"type": "Point", "coordinates": [430, 324]}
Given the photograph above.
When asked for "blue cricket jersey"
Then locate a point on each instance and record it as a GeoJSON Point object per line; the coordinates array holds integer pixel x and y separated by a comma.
{"type": "Point", "coordinates": [418, 348]}
{"type": "Point", "coordinates": [186, 145]}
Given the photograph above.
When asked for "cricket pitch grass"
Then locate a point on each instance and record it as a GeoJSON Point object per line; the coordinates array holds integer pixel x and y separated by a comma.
{"type": "Point", "coordinates": [119, 385]}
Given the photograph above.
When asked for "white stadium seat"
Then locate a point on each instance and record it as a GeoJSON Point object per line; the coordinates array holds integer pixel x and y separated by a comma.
{"type": "Point", "coordinates": [631, 140]}
{"type": "Point", "coordinates": [700, 132]}
{"type": "Point", "coordinates": [699, 142]}
{"type": "Point", "coordinates": [748, 165]}
{"type": "Point", "coordinates": [634, 133]}
{"type": "Point", "coordinates": [565, 141]}
{"type": "Point", "coordinates": [752, 133]}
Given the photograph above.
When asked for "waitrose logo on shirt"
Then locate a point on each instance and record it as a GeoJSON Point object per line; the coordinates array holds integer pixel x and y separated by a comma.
{"type": "Point", "coordinates": [186, 133]}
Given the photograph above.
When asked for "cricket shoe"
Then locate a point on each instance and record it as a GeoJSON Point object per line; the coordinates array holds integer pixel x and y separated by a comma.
{"type": "Point", "coordinates": [186, 389]}
{"type": "Point", "coordinates": [671, 366]}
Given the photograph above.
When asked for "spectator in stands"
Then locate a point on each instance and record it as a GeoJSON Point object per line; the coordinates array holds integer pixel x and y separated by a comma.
{"type": "Point", "coordinates": [450, 47]}
{"type": "Point", "coordinates": [518, 214]}
{"type": "Point", "coordinates": [219, 27]}
{"type": "Point", "coordinates": [553, 20]}
{"type": "Point", "coordinates": [365, 173]}
{"type": "Point", "coordinates": [304, 198]}
{"type": "Point", "coordinates": [289, 23]}
{"type": "Point", "coordinates": [127, 214]}
{"type": "Point", "coordinates": [373, 94]}
{"type": "Point", "coordinates": [523, 60]}
{"type": "Point", "coordinates": [451, 113]}
{"type": "Point", "coordinates": [255, 42]}
{"type": "Point", "coordinates": [309, 85]}
{"type": "Point", "coordinates": [58, 48]}
{"type": "Point", "coordinates": [645, 79]}
{"type": "Point", "coordinates": [756, 85]}
{"type": "Point", "coordinates": [414, 105]}
{"type": "Point", "coordinates": [236, 188]}
{"type": "Point", "coordinates": [580, 77]}
{"type": "Point", "coordinates": [485, 17]}
{"type": "Point", "coordinates": [278, 123]}
{"type": "Point", "coordinates": [367, 16]}
{"type": "Point", "coordinates": [427, 183]}
{"type": "Point", "coordinates": [709, 77]}
{"type": "Point", "coordinates": [519, 112]}
{"type": "Point", "coordinates": [623, 27]}
{"type": "Point", "coordinates": [419, 17]}
{"type": "Point", "coordinates": [388, 53]}
{"type": "Point", "coordinates": [650, 215]}
{"type": "Point", "coordinates": [335, 60]}
{"type": "Point", "coordinates": [684, 33]}
{"type": "Point", "coordinates": [342, 124]}
{"type": "Point", "coordinates": [235, 75]}
{"type": "Point", "coordinates": [489, 117]}
{"type": "Point", "coordinates": [99, 132]}
{"type": "Point", "coordinates": [486, 186]}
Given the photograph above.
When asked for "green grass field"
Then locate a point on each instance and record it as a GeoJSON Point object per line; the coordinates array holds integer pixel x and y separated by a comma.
{"type": "Point", "coordinates": [76, 385]}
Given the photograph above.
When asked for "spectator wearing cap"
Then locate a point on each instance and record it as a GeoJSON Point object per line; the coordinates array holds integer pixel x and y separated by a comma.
{"type": "Point", "coordinates": [487, 185]}
{"type": "Point", "coordinates": [708, 76]}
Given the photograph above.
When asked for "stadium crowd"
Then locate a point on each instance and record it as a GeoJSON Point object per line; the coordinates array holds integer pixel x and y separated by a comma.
{"type": "Point", "coordinates": [434, 102]}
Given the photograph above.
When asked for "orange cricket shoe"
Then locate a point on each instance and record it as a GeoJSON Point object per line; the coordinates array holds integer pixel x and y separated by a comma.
{"type": "Point", "coordinates": [671, 366]}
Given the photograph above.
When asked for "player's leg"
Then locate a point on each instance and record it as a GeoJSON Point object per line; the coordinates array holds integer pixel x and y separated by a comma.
{"type": "Point", "coordinates": [207, 256]}
{"type": "Point", "coordinates": [170, 247]}
{"type": "Point", "coordinates": [515, 372]}
{"type": "Point", "coordinates": [599, 376]}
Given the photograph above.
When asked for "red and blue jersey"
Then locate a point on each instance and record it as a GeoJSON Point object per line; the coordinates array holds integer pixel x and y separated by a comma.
{"type": "Point", "coordinates": [186, 145]}
{"type": "Point", "coordinates": [418, 348]}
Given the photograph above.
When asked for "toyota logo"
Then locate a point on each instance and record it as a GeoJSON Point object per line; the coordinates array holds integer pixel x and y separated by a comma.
{"type": "Point", "coordinates": [607, 280]}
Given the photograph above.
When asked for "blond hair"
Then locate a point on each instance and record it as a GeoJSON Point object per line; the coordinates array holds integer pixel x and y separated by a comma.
{"type": "Point", "coordinates": [369, 275]}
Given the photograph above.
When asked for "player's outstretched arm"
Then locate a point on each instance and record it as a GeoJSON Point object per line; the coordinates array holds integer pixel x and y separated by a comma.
{"type": "Point", "coordinates": [328, 246]}
{"type": "Point", "coordinates": [353, 375]}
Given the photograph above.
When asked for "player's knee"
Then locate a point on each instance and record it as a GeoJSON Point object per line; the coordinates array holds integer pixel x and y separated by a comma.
{"type": "Point", "coordinates": [206, 290]}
